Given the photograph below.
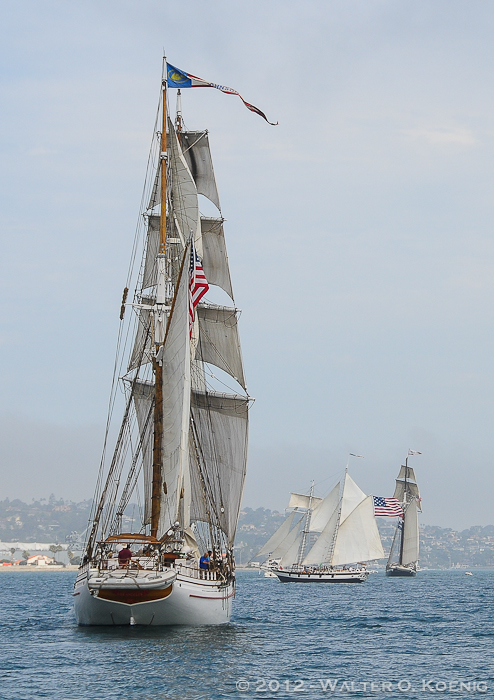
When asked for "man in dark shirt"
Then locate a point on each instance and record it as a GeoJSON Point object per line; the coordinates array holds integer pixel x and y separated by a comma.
{"type": "Point", "coordinates": [124, 556]}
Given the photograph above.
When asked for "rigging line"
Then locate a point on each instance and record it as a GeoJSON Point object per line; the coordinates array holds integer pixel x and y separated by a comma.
{"type": "Point", "coordinates": [111, 499]}
{"type": "Point", "coordinates": [134, 248]}
{"type": "Point", "coordinates": [113, 466]}
{"type": "Point", "coordinates": [213, 447]}
{"type": "Point", "coordinates": [209, 371]}
{"type": "Point", "coordinates": [131, 482]}
{"type": "Point", "coordinates": [111, 495]}
{"type": "Point", "coordinates": [204, 478]}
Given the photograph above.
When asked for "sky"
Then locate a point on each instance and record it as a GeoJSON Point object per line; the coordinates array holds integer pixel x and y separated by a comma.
{"type": "Point", "coordinates": [360, 232]}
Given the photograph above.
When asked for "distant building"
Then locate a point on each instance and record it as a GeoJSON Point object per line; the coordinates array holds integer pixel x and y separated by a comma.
{"type": "Point", "coordinates": [39, 560]}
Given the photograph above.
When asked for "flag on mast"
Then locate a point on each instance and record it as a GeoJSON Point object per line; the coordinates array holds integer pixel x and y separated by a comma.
{"type": "Point", "coordinates": [180, 79]}
{"type": "Point", "coordinates": [387, 507]}
{"type": "Point", "coordinates": [198, 284]}
{"type": "Point", "coordinates": [413, 452]}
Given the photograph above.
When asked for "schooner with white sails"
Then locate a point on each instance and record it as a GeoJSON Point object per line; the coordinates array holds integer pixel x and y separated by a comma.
{"type": "Point", "coordinates": [181, 449]}
{"type": "Point", "coordinates": [326, 540]}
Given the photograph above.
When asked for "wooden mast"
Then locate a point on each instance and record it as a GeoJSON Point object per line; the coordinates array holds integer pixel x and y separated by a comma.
{"type": "Point", "coordinates": [158, 368]}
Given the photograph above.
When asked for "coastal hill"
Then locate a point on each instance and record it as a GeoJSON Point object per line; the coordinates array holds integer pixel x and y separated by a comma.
{"type": "Point", "coordinates": [57, 521]}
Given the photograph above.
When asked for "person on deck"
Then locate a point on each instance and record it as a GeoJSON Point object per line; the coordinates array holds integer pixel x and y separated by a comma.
{"type": "Point", "coordinates": [124, 556]}
{"type": "Point", "coordinates": [204, 561]}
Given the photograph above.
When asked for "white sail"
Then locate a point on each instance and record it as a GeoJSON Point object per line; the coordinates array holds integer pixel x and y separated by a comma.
{"type": "Point", "coordinates": [195, 147]}
{"type": "Point", "coordinates": [219, 343]}
{"type": "Point", "coordinates": [184, 193]}
{"type": "Point", "coordinates": [352, 496]}
{"type": "Point", "coordinates": [324, 510]}
{"type": "Point", "coordinates": [300, 500]}
{"type": "Point", "coordinates": [218, 464]}
{"type": "Point", "coordinates": [321, 549]}
{"type": "Point", "coordinates": [358, 537]}
{"type": "Point", "coordinates": [278, 537]}
{"type": "Point", "coordinates": [215, 259]}
{"type": "Point", "coordinates": [291, 555]}
{"type": "Point", "coordinates": [410, 535]}
{"type": "Point", "coordinates": [176, 405]}
{"type": "Point", "coordinates": [143, 395]}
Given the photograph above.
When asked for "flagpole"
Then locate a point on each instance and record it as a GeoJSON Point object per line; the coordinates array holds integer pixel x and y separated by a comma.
{"type": "Point", "coordinates": [163, 160]}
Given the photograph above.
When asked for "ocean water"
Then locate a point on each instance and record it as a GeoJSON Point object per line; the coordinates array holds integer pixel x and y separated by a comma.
{"type": "Point", "coordinates": [387, 638]}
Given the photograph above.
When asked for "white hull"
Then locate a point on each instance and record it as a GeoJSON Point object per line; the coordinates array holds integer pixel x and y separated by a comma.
{"type": "Point", "coordinates": [189, 602]}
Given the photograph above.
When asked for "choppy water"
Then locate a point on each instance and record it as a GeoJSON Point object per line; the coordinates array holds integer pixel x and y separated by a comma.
{"type": "Point", "coordinates": [410, 638]}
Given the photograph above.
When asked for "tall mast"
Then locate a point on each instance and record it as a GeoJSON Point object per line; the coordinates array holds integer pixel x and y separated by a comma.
{"type": "Point", "coordinates": [306, 526]}
{"type": "Point", "coordinates": [404, 511]}
{"type": "Point", "coordinates": [159, 337]}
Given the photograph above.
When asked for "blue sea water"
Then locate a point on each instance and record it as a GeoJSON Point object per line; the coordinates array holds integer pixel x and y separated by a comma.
{"type": "Point", "coordinates": [387, 638]}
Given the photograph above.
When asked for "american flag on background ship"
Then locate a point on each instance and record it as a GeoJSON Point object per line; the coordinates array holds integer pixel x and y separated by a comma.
{"type": "Point", "coordinates": [198, 284]}
{"type": "Point", "coordinates": [387, 507]}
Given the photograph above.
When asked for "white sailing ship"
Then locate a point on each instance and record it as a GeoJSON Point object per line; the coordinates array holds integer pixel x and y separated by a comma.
{"type": "Point", "coordinates": [404, 554]}
{"type": "Point", "coordinates": [181, 449]}
{"type": "Point", "coordinates": [345, 532]}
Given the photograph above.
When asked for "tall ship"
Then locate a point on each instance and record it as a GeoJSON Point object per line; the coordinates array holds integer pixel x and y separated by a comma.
{"type": "Point", "coordinates": [159, 549]}
{"type": "Point", "coordinates": [325, 540]}
{"type": "Point", "coordinates": [404, 554]}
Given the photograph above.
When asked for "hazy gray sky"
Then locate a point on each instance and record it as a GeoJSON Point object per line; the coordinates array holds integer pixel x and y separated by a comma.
{"type": "Point", "coordinates": [360, 232]}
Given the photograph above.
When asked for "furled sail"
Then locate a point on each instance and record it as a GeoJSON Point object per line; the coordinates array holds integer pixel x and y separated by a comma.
{"type": "Point", "coordinates": [176, 405]}
{"type": "Point", "coordinates": [410, 535]}
{"type": "Point", "coordinates": [195, 147]}
{"type": "Point", "coordinates": [358, 537]}
{"type": "Point", "coordinates": [219, 343]}
{"type": "Point", "coordinates": [278, 537]}
{"type": "Point", "coordinates": [215, 259]}
{"type": "Point", "coordinates": [143, 395]}
{"type": "Point", "coordinates": [324, 510]}
{"type": "Point", "coordinates": [300, 500]}
{"type": "Point", "coordinates": [218, 462]}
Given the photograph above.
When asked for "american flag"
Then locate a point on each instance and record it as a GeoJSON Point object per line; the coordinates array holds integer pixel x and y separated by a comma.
{"type": "Point", "coordinates": [198, 284]}
{"type": "Point", "coordinates": [387, 507]}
